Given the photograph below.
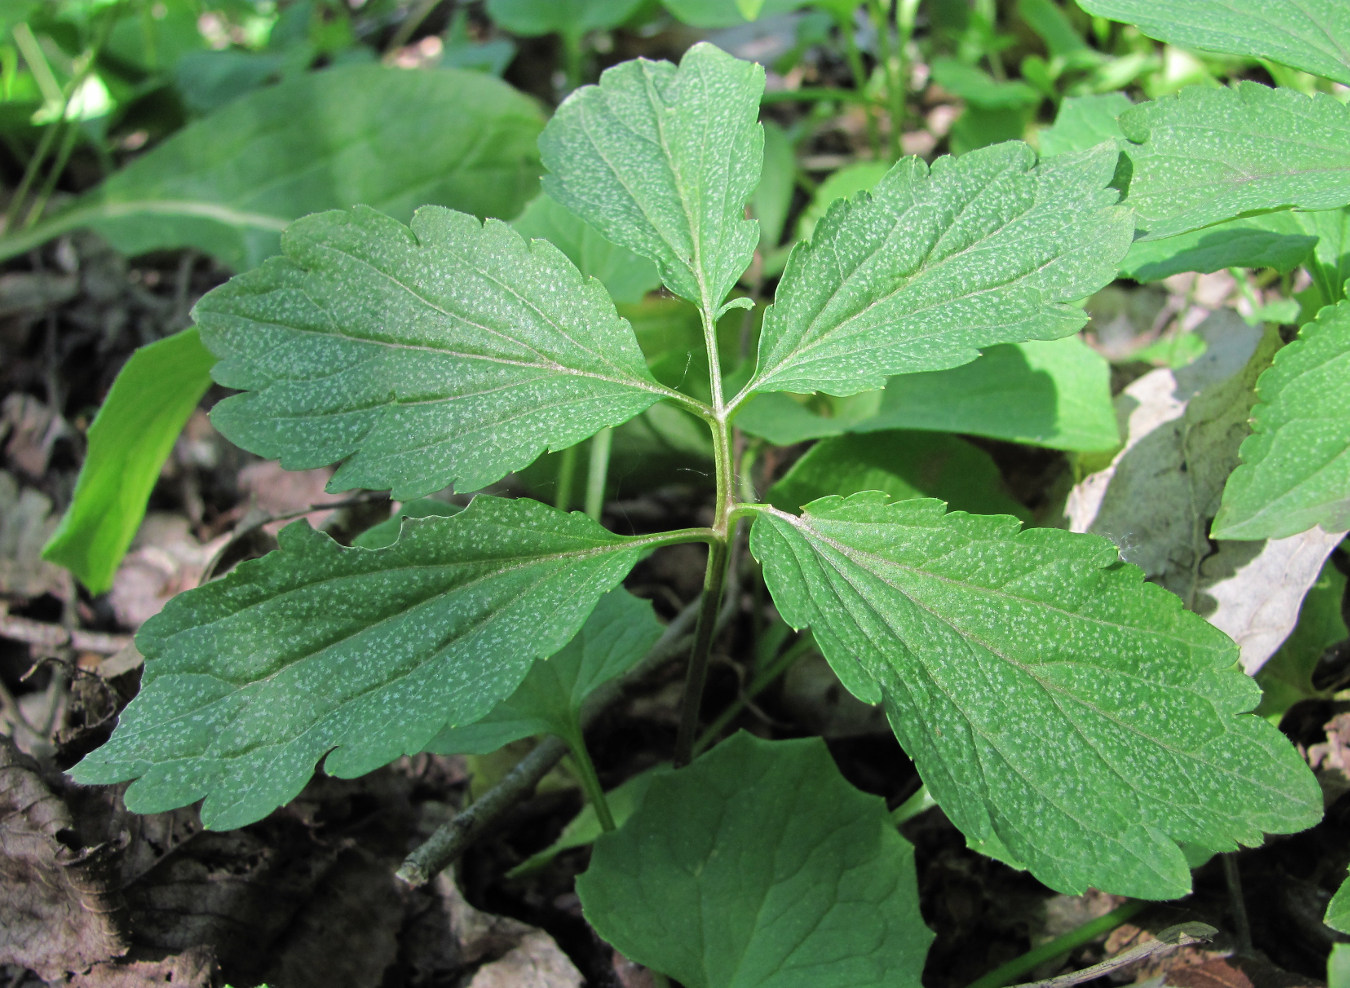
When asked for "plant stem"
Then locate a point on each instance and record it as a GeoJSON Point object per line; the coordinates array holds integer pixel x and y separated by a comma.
{"type": "Point", "coordinates": [567, 472]}
{"type": "Point", "coordinates": [846, 24]}
{"type": "Point", "coordinates": [697, 674]}
{"type": "Point", "coordinates": [590, 782]}
{"type": "Point", "coordinates": [781, 663]}
{"type": "Point", "coordinates": [598, 472]}
{"type": "Point", "coordinates": [1018, 966]}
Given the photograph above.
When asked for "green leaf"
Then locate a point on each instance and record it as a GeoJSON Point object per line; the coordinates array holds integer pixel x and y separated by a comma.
{"type": "Point", "coordinates": [979, 88]}
{"type": "Point", "coordinates": [386, 532]}
{"type": "Point", "coordinates": [663, 160]}
{"type": "Point", "coordinates": [1295, 470]}
{"type": "Point", "coordinates": [1338, 963]}
{"type": "Point", "coordinates": [1330, 265]}
{"type": "Point", "coordinates": [1273, 240]}
{"type": "Point", "coordinates": [903, 465]}
{"type": "Point", "coordinates": [627, 277]}
{"type": "Point", "coordinates": [449, 353]}
{"type": "Point", "coordinates": [1287, 677]}
{"type": "Point", "coordinates": [758, 866]}
{"type": "Point", "coordinates": [720, 13]}
{"type": "Point", "coordinates": [778, 181]}
{"type": "Point", "coordinates": [1338, 910]}
{"type": "Point", "coordinates": [614, 639]}
{"type": "Point", "coordinates": [130, 439]}
{"type": "Point", "coordinates": [1055, 394]}
{"type": "Point", "coordinates": [1052, 700]}
{"type": "Point", "coordinates": [536, 17]}
{"type": "Point", "coordinates": [1207, 155]}
{"type": "Point", "coordinates": [361, 655]}
{"type": "Point", "coordinates": [229, 184]}
{"type": "Point", "coordinates": [1084, 122]}
{"type": "Point", "coordinates": [986, 248]}
{"type": "Point", "coordinates": [1312, 35]}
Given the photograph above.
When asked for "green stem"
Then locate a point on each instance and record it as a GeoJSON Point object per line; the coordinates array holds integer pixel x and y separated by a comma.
{"type": "Point", "coordinates": [761, 681]}
{"type": "Point", "coordinates": [1018, 966]}
{"type": "Point", "coordinates": [598, 472]}
{"type": "Point", "coordinates": [567, 472]}
{"type": "Point", "coordinates": [845, 25]}
{"type": "Point", "coordinates": [590, 782]}
{"type": "Point", "coordinates": [891, 60]}
{"type": "Point", "coordinates": [572, 58]}
{"type": "Point", "coordinates": [697, 675]}
{"type": "Point", "coordinates": [912, 807]}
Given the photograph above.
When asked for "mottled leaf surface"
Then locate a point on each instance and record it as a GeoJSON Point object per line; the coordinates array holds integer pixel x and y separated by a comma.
{"type": "Point", "coordinates": [663, 160]}
{"type": "Point", "coordinates": [446, 354]}
{"type": "Point", "coordinates": [758, 866]}
{"type": "Point", "coordinates": [625, 276]}
{"type": "Point", "coordinates": [1207, 155]}
{"type": "Point", "coordinates": [131, 437]}
{"type": "Point", "coordinates": [934, 264]}
{"type": "Point", "coordinates": [614, 639]}
{"type": "Point", "coordinates": [1312, 35]}
{"type": "Point", "coordinates": [1295, 470]}
{"type": "Point", "coordinates": [1057, 706]}
{"type": "Point", "coordinates": [359, 654]}
{"type": "Point", "coordinates": [1271, 240]}
{"type": "Point", "coordinates": [1083, 122]}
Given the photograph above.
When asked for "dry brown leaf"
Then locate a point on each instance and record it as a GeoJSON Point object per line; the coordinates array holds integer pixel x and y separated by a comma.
{"type": "Point", "coordinates": [536, 962]}
{"type": "Point", "coordinates": [26, 522]}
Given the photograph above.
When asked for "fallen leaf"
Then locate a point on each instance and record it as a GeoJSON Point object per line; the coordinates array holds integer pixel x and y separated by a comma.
{"type": "Point", "coordinates": [26, 522]}
{"type": "Point", "coordinates": [536, 962]}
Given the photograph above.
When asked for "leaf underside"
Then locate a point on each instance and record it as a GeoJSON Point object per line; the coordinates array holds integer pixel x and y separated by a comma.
{"type": "Point", "coordinates": [359, 654]}
{"type": "Point", "coordinates": [1207, 155]}
{"type": "Point", "coordinates": [758, 866]}
{"type": "Point", "coordinates": [663, 160]}
{"type": "Point", "coordinates": [934, 264]}
{"type": "Point", "coordinates": [1295, 470]}
{"type": "Point", "coordinates": [1312, 35]}
{"type": "Point", "coordinates": [450, 353]}
{"type": "Point", "coordinates": [1055, 703]}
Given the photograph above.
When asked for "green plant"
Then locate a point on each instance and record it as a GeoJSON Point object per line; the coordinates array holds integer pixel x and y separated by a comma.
{"type": "Point", "coordinates": [1068, 717]}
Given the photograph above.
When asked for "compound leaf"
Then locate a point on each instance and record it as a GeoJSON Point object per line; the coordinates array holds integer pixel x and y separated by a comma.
{"type": "Point", "coordinates": [758, 866]}
{"type": "Point", "coordinates": [130, 439]}
{"type": "Point", "coordinates": [614, 639]}
{"type": "Point", "coordinates": [1312, 35]}
{"type": "Point", "coordinates": [449, 353]}
{"type": "Point", "coordinates": [359, 654]}
{"type": "Point", "coordinates": [1206, 155]}
{"type": "Point", "coordinates": [1057, 706]}
{"type": "Point", "coordinates": [1295, 470]}
{"type": "Point", "coordinates": [932, 265]}
{"type": "Point", "coordinates": [663, 160]}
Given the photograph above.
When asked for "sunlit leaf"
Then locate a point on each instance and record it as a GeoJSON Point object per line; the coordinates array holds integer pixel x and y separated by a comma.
{"type": "Point", "coordinates": [129, 441]}
{"type": "Point", "coordinates": [1052, 700]}
{"type": "Point", "coordinates": [448, 353]}
{"type": "Point", "coordinates": [986, 248]}
{"type": "Point", "coordinates": [357, 654]}
{"type": "Point", "coordinates": [625, 276]}
{"type": "Point", "coordinates": [1207, 155]}
{"type": "Point", "coordinates": [758, 866]}
{"type": "Point", "coordinates": [1295, 469]}
{"type": "Point", "coordinates": [663, 160]}
{"type": "Point", "coordinates": [1272, 240]}
{"type": "Point", "coordinates": [1084, 122]}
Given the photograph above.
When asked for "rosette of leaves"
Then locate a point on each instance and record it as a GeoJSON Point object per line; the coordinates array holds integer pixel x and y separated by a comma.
{"type": "Point", "coordinates": [1067, 716]}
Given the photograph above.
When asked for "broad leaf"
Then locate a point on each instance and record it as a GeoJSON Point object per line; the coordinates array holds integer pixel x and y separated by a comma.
{"type": "Point", "coordinates": [1056, 705]}
{"type": "Point", "coordinates": [1084, 122]}
{"type": "Point", "coordinates": [1295, 469]}
{"type": "Point", "coordinates": [1055, 394]}
{"type": "Point", "coordinates": [625, 276]}
{"type": "Point", "coordinates": [1338, 910]}
{"type": "Point", "coordinates": [1312, 35]}
{"type": "Point", "coordinates": [448, 353]}
{"type": "Point", "coordinates": [663, 160]}
{"type": "Point", "coordinates": [1206, 155]}
{"type": "Point", "coordinates": [726, 13]}
{"type": "Point", "coordinates": [614, 639]}
{"type": "Point", "coordinates": [1330, 265]}
{"type": "Point", "coordinates": [230, 183]}
{"type": "Point", "coordinates": [903, 465]}
{"type": "Point", "coordinates": [983, 249]}
{"type": "Point", "coordinates": [129, 441]}
{"type": "Point", "coordinates": [361, 655]}
{"type": "Point", "coordinates": [758, 866]}
{"type": "Point", "coordinates": [1272, 240]}
{"type": "Point", "coordinates": [535, 17]}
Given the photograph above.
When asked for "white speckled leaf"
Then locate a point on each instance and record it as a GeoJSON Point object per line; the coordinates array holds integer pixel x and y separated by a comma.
{"type": "Point", "coordinates": [663, 160]}
{"type": "Point", "coordinates": [450, 353]}
{"type": "Point", "coordinates": [1295, 470]}
{"type": "Point", "coordinates": [1312, 35]}
{"type": "Point", "coordinates": [360, 654]}
{"type": "Point", "coordinates": [1053, 701]}
{"type": "Point", "coordinates": [758, 866]}
{"type": "Point", "coordinates": [1206, 155]}
{"type": "Point", "coordinates": [934, 264]}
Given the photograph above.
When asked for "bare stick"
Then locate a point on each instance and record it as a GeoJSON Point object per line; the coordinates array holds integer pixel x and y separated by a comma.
{"type": "Point", "coordinates": [1181, 935]}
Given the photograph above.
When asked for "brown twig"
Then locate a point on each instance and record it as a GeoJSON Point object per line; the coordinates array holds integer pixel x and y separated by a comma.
{"type": "Point", "coordinates": [1181, 935]}
{"type": "Point", "coordinates": [52, 637]}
